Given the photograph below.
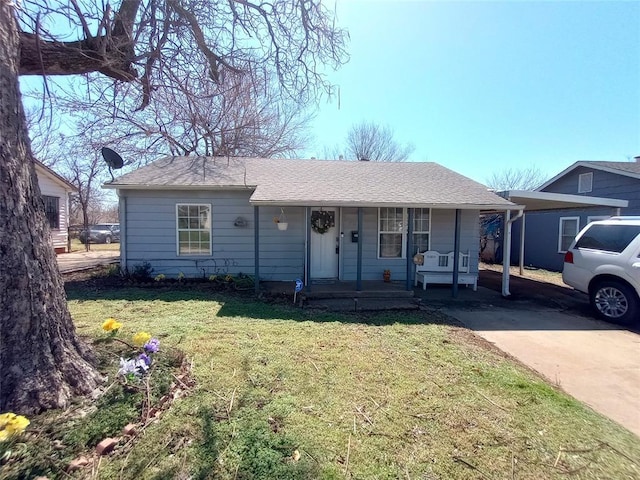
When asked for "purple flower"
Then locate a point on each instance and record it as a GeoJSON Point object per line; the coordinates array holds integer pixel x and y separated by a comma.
{"type": "Point", "coordinates": [152, 346]}
{"type": "Point", "coordinates": [145, 358]}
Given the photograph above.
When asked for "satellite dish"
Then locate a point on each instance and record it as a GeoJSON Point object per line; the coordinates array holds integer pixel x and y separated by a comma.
{"type": "Point", "coordinates": [113, 160]}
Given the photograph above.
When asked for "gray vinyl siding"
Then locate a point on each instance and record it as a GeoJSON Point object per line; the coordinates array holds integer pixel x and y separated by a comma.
{"type": "Point", "coordinates": [150, 231]}
{"type": "Point", "coordinates": [282, 253]}
{"type": "Point", "coordinates": [149, 235]}
{"type": "Point", "coordinates": [441, 239]}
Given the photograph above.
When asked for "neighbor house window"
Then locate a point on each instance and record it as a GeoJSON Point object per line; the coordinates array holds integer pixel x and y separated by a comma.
{"type": "Point", "coordinates": [391, 232]}
{"type": "Point", "coordinates": [568, 231]}
{"type": "Point", "coordinates": [194, 229]}
{"type": "Point", "coordinates": [421, 229]}
{"type": "Point", "coordinates": [585, 182]}
{"type": "Point", "coordinates": [52, 211]}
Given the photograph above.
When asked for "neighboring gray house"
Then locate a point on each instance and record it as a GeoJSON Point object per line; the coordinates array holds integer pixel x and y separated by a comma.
{"type": "Point", "coordinates": [346, 220]}
{"type": "Point", "coordinates": [55, 192]}
{"type": "Point", "coordinates": [548, 233]}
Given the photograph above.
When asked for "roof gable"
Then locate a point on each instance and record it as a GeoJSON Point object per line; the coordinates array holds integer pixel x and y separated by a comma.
{"type": "Point", "coordinates": [42, 169]}
{"type": "Point", "coordinates": [627, 169]}
{"type": "Point", "coordinates": [318, 182]}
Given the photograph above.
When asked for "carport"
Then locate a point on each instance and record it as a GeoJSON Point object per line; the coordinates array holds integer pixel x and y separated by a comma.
{"type": "Point", "coordinates": [540, 201]}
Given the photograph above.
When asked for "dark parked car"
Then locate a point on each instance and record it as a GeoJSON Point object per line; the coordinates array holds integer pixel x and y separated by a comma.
{"type": "Point", "coordinates": [101, 233]}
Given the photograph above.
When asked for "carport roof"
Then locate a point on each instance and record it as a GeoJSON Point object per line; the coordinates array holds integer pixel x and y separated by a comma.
{"type": "Point", "coordinates": [537, 201]}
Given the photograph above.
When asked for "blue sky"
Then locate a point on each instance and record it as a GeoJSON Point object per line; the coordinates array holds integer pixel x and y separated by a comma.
{"type": "Point", "coordinates": [484, 86]}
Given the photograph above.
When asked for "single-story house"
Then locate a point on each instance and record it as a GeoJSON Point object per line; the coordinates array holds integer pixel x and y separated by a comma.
{"type": "Point", "coordinates": [597, 189]}
{"type": "Point", "coordinates": [279, 219]}
{"type": "Point", "coordinates": [55, 192]}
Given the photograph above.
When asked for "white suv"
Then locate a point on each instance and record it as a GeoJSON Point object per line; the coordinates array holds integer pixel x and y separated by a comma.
{"type": "Point", "coordinates": [604, 262]}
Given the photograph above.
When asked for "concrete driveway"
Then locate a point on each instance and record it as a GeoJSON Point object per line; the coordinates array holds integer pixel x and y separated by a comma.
{"type": "Point", "coordinates": [552, 330]}
{"type": "Point", "coordinates": [595, 362]}
{"type": "Point", "coordinates": [77, 261]}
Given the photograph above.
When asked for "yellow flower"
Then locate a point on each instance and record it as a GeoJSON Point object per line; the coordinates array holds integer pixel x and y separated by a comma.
{"type": "Point", "coordinates": [141, 338]}
{"type": "Point", "coordinates": [111, 324]}
{"type": "Point", "coordinates": [11, 424]}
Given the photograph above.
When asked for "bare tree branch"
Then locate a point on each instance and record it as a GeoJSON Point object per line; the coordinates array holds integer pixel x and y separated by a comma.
{"type": "Point", "coordinates": [528, 178]}
{"type": "Point", "coordinates": [370, 141]}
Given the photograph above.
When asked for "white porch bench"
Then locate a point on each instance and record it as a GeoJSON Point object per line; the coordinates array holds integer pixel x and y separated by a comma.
{"type": "Point", "coordinates": [437, 268]}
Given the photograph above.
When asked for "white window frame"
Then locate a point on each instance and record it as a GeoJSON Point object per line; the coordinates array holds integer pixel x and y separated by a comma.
{"type": "Point", "coordinates": [403, 233]}
{"type": "Point", "coordinates": [178, 230]}
{"type": "Point", "coordinates": [585, 182]}
{"type": "Point", "coordinates": [560, 225]}
{"type": "Point", "coordinates": [422, 232]}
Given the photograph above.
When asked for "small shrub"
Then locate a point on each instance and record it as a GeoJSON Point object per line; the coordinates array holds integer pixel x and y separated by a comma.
{"type": "Point", "coordinates": [142, 271]}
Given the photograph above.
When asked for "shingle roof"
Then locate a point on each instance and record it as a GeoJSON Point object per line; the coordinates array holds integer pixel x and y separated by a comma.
{"type": "Point", "coordinates": [318, 182]}
{"type": "Point", "coordinates": [631, 167]}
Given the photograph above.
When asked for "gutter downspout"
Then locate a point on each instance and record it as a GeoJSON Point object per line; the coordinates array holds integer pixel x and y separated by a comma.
{"type": "Point", "coordinates": [506, 251]}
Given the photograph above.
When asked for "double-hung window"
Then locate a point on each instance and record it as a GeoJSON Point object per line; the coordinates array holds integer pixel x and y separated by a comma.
{"type": "Point", "coordinates": [567, 232]}
{"type": "Point", "coordinates": [421, 229]}
{"type": "Point", "coordinates": [391, 232]}
{"type": "Point", "coordinates": [194, 229]}
{"type": "Point", "coordinates": [52, 211]}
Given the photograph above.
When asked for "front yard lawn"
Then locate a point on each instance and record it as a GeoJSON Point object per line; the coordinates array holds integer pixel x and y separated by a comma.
{"type": "Point", "coordinates": [283, 393]}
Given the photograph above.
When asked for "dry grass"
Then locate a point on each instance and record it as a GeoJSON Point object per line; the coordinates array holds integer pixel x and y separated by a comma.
{"type": "Point", "coordinates": [378, 396]}
{"type": "Point", "coordinates": [537, 274]}
{"type": "Point", "coordinates": [78, 246]}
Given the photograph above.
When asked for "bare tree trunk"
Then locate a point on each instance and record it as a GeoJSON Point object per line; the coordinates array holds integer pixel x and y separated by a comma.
{"type": "Point", "coordinates": [42, 361]}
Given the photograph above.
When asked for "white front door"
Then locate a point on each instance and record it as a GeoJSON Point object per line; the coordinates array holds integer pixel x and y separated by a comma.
{"type": "Point", "coordinates": [324, 246]}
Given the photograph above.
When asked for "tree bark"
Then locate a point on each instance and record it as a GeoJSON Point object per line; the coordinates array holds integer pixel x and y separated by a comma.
{"type": "Point", "coordinates": [43, 364]}
{"type": "Point", "coordinates": [39, 57]}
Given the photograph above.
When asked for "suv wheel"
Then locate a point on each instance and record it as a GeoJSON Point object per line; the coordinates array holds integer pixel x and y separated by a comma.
{"type": "Point", "coordinates": [107, 239]}
{"type": "Point", "coordinates": [615, 301]}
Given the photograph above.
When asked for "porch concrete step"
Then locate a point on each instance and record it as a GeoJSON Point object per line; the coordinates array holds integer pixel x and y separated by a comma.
{"type": "Point", "coordinates": [323, 293]}
{"type": "Point", "coordinates": [362, 304]}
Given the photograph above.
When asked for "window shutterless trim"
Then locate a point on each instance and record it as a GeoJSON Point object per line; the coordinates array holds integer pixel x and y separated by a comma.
{"type": "Point", "coordinates": [402, 233]}
{"type": "Point", "coordinates": [209, 230]}
{"type": "Point", "coordinates": [560, 225]}
{"type": "Point", "coordinates": [585, 178]}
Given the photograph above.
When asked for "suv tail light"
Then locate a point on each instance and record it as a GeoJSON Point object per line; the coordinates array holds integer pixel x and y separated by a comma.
{"type": "Point", "coordinates": [568, 257]}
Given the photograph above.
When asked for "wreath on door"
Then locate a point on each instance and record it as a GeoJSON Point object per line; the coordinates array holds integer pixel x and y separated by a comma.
{"type": "Point", "coordinates": [322, 221]}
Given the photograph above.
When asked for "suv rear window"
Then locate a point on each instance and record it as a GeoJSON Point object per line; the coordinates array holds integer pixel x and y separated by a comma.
{"type": "Point", "coordinates": [609, 238]}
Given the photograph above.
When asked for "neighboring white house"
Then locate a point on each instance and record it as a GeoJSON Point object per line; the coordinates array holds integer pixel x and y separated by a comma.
{"type": "Point", "coordinates": [55, 194]}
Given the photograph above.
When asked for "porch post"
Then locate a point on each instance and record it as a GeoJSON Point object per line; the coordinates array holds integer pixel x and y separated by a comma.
{"type": "Point", "coordinates": [307, 256]}
{"type": "Point", "coordinates": [410, 249]}
{"type": "Point", "coordinates": [256, 247]}
{"type": "Point", "coordinates": [359, 263]}
{"type": "Point", "coordinates": [456, 254]}
{"type": "Point", "coordinates": [521, 263]}
{"type": "Point", "coordinates": [506, 253]}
